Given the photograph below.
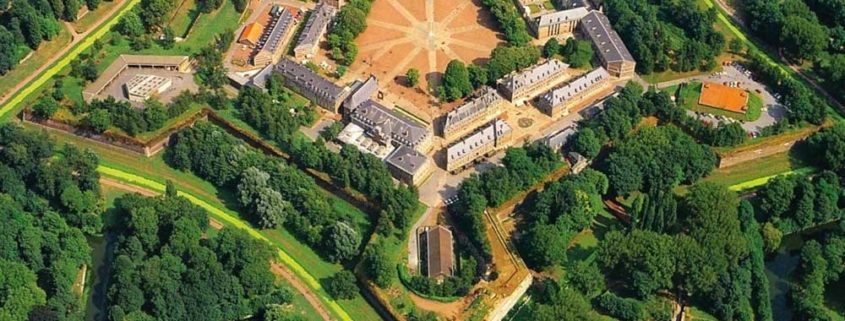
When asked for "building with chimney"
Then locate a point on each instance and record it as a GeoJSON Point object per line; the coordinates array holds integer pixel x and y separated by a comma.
{"type": "Point", "coordinates": [521, 86]}
{"type": "Point", "coordinates": [609, 47]}
{"type": "Point", "coordinates": [315, 27]}
{"type": "Point", "coordinates": [485, 106]}
{"type": "Point", "coordinates": [561, 100]}
{"type": "Point", "coordinates": [310, 85]}
{"type": "Point", "coordinates": [483, 143]}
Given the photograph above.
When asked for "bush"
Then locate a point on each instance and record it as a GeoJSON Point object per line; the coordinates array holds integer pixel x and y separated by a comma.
{"type": "Point", "coordinates": [342, 285]}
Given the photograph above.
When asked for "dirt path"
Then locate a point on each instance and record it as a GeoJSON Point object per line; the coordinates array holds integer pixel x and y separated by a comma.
{"type": "Point", "coordinates": [450, 311]}
{"type": "Point", "coordinates": [302, 289]}
{"type": "Point", "coordinates": [130, 188]}
{"type": "Point", "coordinates": [76, 38]}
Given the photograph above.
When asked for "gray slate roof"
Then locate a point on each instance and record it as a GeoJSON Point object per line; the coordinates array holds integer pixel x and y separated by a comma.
{"type": "Point", "coordinates": [486, 98]}
{"type": "Point", "coordinates": [533, 75]}
{"type": "Point", "coordinates": [407, 159]}
{"type": "Point", "coordinates": [309, 80]}
{"type": "Point", "coordinates": [361, 93]}
{"type": "Point", "coordinates": [575, 87]}
{"type": "Point", "coordinates": [487, 135]}
{"type": "Point", "coordinates": [273, 40]}
{"type": "Point", "coordinates": [316, 25]}
{"type": "Point", "coordinates": [610, 46]}
{"type": "Point", "coordinates": [558, 139]}
{"type": "Point", "coordinates": [562, 16]}
{"type": "Point", "coordinates": [375, 118]}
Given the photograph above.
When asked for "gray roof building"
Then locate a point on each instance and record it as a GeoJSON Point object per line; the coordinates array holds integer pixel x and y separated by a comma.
{"type": "Point", "coordinates": [314, 29]}
{"type": "Point", "coordinates": [610, 46]}
{"type": "Point", "coordinates": [535, 78]}
{"type": "Point", "coordinates": [273, 40]}
{"type": "Point", "coordinates": [574, 88]}
{"type": "Point", "coordinates": [311, 85]}
{"type": "Point", "coordinates": [388, 125]}
{"type": "Point", "coordinates": [363, 92]}
{"type": "Point", "coordinates": [479, 139]}
{"type": "Point", "coordinates": [487, 98]}
{"type": "Point", "coordinates": [407, 160]}
{"type": "Point", "coordinates": [557, 140]}
{"type": "Point", "coordinates": [562, 16]}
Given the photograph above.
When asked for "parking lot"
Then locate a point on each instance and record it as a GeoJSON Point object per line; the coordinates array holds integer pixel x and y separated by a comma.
{"type": "Point", "coordinates": [735, 74]}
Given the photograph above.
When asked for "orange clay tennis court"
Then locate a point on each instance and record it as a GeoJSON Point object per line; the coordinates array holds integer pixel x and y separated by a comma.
{"type": "Point", "coordinates": [724, 97]}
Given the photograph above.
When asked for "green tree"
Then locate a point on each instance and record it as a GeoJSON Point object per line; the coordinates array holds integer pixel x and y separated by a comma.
{"type": "Point", "coordinates": [168, 39]}
{"type": "Point", "coordinates": [587, 143]}
{"type": "Point", "coordinates": [99, 120]}
{"type": "Point", "coordinates": [551, 48]}
{"type": "Point", "coordinates": [45, 107]}
{"type": "Point", "coordinates": [342, 285]}
{"type": "Point", "coordinates": [802, 39]}
{"type": "Point", "coordinates": [8, 54]}
{"type": "Point", "coordinates": [544, 246]}
{"type": "Point", "coordinates": [477, 75]}
{"type": "Point", "coordinates": [341, 242]}
{"type": "Point", "coordinates": [20, 292]}
{"type": "Point", "coordinates": [378, 265]}
{"type": "Point", "coordinates": [413, 76]}
{"type": "Point", "coordinates": [456, 80]}
{"type": "Point", "coordinates": [771, 237]}
{"type": "Point", "coordinates": [736, 46]}
{"type": "Point", "coordinates": [154, 12]}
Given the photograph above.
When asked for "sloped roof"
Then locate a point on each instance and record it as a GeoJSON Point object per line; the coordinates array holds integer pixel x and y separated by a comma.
{"type": "Point", "coordinates": [439, 246]}
{"type": "Point", "coordinates": [535, 74]}
{"type": "Point", "coordinates": [601, 33]}
{"type": "Point", "coordinates": [575, 87]}
{"type": "Point", "coordinates": [486, 98]}
{"type": "Point", "coordinates": [251, 33]}
{"type": "Point", "coordinates": [562, 16]}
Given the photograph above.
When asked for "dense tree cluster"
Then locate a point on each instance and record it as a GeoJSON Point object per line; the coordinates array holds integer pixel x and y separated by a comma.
{"type": "Point", "coordinates": [349, 169]}
{"type": "Point", "coordinates": [656, 158]}
{"type": "Point", "coordinates": [351, 20]}
{"type": "Point", "coordinates": [560, 211]}
{"type": "Point", "coordinates": [676, 35]}
{"type": "Point", "coordinates": [828, 146]}
{"type": "Point", "coordinates": [804, 105]}
{"type": "Point", "coordinates": [510, 21]}
{"type": "Point", "coordinates": [100, 115]}
{"type": "Point", "coordinates": [523, 167]}
{"type": "Point", "coordinates": [553, 301]}
{"type": "Point", "coordinates": [578, 53]}
{"type": "Point", "coordinates": [707, 259]}
{"type": "Point", "coordinates": [810, 30]}
{"type": "Point", "coordinates": [821, 265]}
{"type": "Point", "coordinates": [164, 268]}
{"type": "Point", "coordinates": [272, 192]}
{"type": "Point", "coordinates": [24, 24]}
{"type": "Point", "coordinates": [378, 264]}
{"type": "Point", "coordinates": [798, 202]}
{"type": "Point", "coordinates": [47, 203]}
{"type": "Point", "coordinates": [628, 309]}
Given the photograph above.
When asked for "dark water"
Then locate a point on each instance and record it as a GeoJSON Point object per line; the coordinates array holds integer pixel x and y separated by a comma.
{"type": "Point", "coordinates": [102, 248]}
{"type": "Point", "coordinates": [778, 269]}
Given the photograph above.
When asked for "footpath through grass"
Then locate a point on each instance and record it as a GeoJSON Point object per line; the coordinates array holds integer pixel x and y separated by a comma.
{"type": "Point", "coordinates": [39, 57]}
{"type": "Point", "coordinates": [14, 104]}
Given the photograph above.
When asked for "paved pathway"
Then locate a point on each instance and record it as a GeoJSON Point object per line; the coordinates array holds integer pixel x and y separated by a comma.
{"type": "Point", "coordinates": [77, 37]}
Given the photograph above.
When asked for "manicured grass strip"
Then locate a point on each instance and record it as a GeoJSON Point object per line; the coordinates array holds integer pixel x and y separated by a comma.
{"type": "Point", "coordinates": [13, 103]}
{"type": "Point", "coordinates": [232, 220]}
{"type": "Point", "coordinates": [46, 50]}
{"type": "Point", "coordinates": [763, 180]}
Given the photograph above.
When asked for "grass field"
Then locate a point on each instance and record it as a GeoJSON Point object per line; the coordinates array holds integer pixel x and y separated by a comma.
{"type": "Point", "coordinates": [690, 93]}
{"type": "Point", "coordinates": [83, 24]}
{"type": "Point", "coordinates": [182, 19]}
{"type": "Point", "coordinates": [38, 58]}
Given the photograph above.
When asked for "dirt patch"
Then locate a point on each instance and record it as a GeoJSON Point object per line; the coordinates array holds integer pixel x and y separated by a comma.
{"type": "Point", "coordinates": [126, 187]}
{"type": "Point", "coordinates": [312, 299]}
{"type": "Point", "coordinates": [421, 34]}
{"type": "Point", "coordinates": [450, 310]}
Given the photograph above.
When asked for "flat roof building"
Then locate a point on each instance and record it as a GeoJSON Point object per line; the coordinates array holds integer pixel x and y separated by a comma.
{"type": "Point", "coordinates": [440, 256]}
{"type": "Point", "coordinates": [521, 86]}
{"type": "Point", "coordinates": [388, 126]}
{"type": "Point", "coordinates": [309, 84]}
{"type": "Point", "coordinates": [171, 63]}
{"type": "Point", "coordinates": [141, 87]}
{"type": "Point", "coordinates": [612, 52]}
{"type": "Point", "coordinates": [474, 112]}
{"type": "Point", "coordinates": [561, 100]}
{"type": "Point", "coordinates": [483, 143]}
{"type": "Point", "coordinates": [315, 28]}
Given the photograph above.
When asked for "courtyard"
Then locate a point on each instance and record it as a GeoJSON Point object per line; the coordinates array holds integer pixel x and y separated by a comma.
{"type": "Point", "coordinates": [425, 35]}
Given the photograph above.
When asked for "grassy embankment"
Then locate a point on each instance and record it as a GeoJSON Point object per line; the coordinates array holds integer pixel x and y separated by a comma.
{"type": "Point", "coordinates": [39, 58]}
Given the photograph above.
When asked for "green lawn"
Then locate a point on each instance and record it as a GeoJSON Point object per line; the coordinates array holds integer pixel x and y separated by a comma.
{"type": "Point", "coordinates": [38, 59]}
{"type": "Point", "coordinates": [86, 22]}
{"type": "Point", "coordinates": [690, 92]}
{"type": "Point", "coordinates": [184, 17]}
